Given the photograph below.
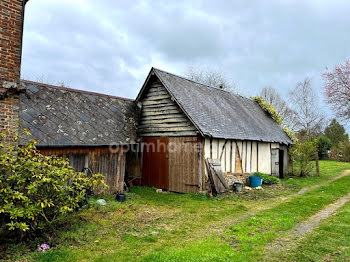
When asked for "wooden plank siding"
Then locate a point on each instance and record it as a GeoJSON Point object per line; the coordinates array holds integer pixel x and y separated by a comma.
{"type": "Point", "coordinates": [99, 160]}
{"type": "Point", "coordinates": [173, 163]}
{"type": "Point", "coordinates": [161, 116]}
{"type": "Point", "coordinates": [184, 164]}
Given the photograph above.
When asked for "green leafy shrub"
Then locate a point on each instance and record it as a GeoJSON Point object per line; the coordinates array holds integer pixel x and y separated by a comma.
{"type": "Point", "coordinates": [269, 178]}
{"type": "Point", "coordinates": [304, 154]}
{"type": "Point", "coordinates": [36, 190]}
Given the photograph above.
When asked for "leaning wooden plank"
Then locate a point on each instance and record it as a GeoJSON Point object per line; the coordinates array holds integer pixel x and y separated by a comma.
{"type": "Point", "coordinates": [219, 182]}
{"type": "Point", "coordinates": [222, 184]}
{"type": "Point", "coordinates": [210, 186]}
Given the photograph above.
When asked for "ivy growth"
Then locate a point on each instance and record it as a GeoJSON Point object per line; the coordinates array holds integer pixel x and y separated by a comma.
{"type": "Point", "coordinates": [271, 110]}
{"type": "Point", "coordinates": [291, 135]}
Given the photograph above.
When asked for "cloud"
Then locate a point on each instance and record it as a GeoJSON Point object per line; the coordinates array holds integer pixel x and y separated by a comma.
{"type": "Point", "coordinates": [109, 46]}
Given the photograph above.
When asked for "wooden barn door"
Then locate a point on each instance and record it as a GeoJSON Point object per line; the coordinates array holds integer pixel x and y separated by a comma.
{"type": "Point", "coordinates": [155, 163]}
{"type": "Point", "coordinates": [184, 164]}
{"type": "Point", "coordinates": [275, 162]}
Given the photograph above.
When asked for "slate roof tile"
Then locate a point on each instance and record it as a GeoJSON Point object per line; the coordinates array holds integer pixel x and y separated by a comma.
{"type": "Point", "coordinates": [221, 114]}
{"type": "Point", "coordinates": [59, 116]}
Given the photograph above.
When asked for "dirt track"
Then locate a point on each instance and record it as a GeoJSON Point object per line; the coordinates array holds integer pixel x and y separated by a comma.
{"type": "Point", "coordinates": [297, 233]}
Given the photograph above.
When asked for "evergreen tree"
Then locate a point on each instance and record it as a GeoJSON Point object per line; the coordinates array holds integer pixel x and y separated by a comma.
{"type": "Point", "coordinates": [336, 133]}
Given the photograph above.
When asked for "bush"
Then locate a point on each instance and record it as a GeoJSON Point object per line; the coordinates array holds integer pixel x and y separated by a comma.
{"type": "Point", "coordinates": [268, 178]}
{"type": "Point", "coordinates": [341, 152]}
{"type": "Point", "coordinates": [36, 190]}
{"type": "Point", "coordinates": [304, 153]}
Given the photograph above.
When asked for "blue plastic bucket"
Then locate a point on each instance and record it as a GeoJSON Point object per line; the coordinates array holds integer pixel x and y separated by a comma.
{"type": "Point", "coordinates": [255, 181]}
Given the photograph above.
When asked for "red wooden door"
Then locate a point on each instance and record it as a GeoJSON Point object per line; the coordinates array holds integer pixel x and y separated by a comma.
{"type": "Point", "coordinates": [155, 162]}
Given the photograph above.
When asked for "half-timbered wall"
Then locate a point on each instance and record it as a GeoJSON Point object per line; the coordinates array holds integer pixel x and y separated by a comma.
{"type": "Point", "coordinates": [161, 116]}
{"type": "Point", "coordinates": [239, 156]}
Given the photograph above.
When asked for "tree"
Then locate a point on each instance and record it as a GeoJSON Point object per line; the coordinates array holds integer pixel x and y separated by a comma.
{"type": "Point", "coordinates": [210, 77]}
{"type": "Point", "coordinates": [288, 116]}
{"type": "Point", "coordinates": [305, 104]}
{"type": "Point", "coordinates": [337, 87]}
{"type": "Point", "coordinates": [336, 132]}
{"type": "Point", "coordinates": [341, 152]}
{"type": "Point", "coordinates": [324, 144]}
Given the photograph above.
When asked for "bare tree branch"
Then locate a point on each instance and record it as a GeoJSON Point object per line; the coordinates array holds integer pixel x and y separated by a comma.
{"type": "Point", "coordinates": [337, 86]}
{"type": "Point", "coordinates": [288, 116]}
{"type": "Point", "coordinates": [210, 77]}
{"type": "Point", "coordinates": [45, 80]}
{"type": "Point", "coordinates": [304, 101]}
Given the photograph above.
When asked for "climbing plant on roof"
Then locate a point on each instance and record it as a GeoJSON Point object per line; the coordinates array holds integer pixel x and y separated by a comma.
{"type": "Point", "coordinates": [271, 110]}
{"type": "Point", "coordinates": [290, 133]}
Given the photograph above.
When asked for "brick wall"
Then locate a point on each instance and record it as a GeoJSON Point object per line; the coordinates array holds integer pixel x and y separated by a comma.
{"type": "Point", "coordinates": [10, 62]}
{"type": "Point", "coordinates": [9, 114]}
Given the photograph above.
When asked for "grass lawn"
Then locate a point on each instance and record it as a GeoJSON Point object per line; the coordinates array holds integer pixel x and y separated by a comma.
{"type": "Point", "coordinates": [329, 242]}
{"type": "Point", "coordinates": [184, 227]}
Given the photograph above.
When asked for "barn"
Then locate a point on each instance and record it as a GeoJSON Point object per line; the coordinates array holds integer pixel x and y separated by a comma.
{"type": "Point", "coordinates": [94, 131]}
{"type": "Point", "coordinates": [183, 123]}
{"type": "Point", "coordinates": [163, 137]}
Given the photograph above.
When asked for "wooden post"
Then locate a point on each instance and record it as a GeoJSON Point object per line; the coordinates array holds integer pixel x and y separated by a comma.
{"type": "Point", "coordinates": [199, 149]}
{"type": "Point", "coordinates": [317, 165]}
{"type": "Point", "coordinates": [86, 161]}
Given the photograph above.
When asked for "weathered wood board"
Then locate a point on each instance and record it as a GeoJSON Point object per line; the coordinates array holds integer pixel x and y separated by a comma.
{"type": "Point", "coordinates": [99, 160]}
{"type": "Point", "coordinates": [161, 116]}
{"type": "Point", "coordinates": [184, 166]}
{"type": "Point", "coordinates": [216, 176]}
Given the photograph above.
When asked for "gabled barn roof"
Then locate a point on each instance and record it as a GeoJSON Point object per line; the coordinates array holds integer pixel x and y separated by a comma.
{"type": "Point", "coordinates": [218, 113]}
{"type": "Point", "coordinates": [59, 116]}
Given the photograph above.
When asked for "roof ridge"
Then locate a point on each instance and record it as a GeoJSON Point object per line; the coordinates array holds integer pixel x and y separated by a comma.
{"type": "Point", "coordinates": [63, 88]}
{"type": "Point", "coordinates": [185, 78]}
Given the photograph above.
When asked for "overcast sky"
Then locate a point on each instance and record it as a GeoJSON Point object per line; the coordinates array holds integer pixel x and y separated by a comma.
{"type": "Point", "coordinates": [109, 46]}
